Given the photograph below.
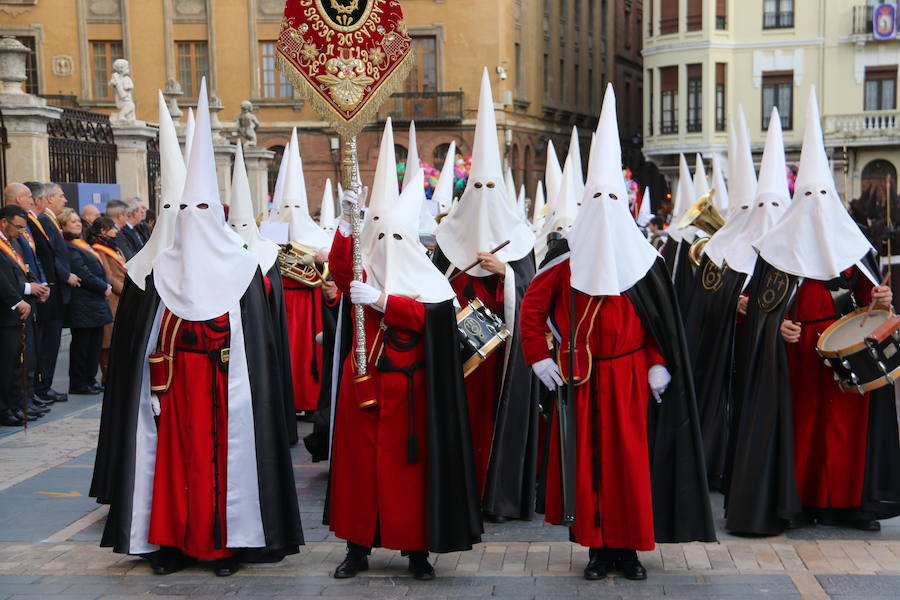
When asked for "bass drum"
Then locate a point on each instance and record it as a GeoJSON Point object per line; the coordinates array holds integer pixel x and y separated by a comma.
{"type": "Point", "coordinates": [863, 349]}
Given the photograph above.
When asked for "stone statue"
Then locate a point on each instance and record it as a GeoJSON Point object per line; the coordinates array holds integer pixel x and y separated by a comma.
{"type": "Point", "coordinates": [122, 86]}
{"type": "Point", "coordinates": [247, 123]}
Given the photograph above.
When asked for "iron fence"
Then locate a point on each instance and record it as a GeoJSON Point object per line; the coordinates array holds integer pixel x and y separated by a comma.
{"type": "Point", "coordinates": [4, 144]}
{"type": "Point", "coordinates": [153, 172]}
{"type": "Point", "coordinates": [424, 107]}
{"type": "Point", "coordinates": [82, 148]}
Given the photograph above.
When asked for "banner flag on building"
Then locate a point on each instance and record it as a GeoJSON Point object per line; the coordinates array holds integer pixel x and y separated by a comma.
{"type": "Point", "coordinates": [346, 56]}
{"type": "Point", "coordinates": [884, 21]}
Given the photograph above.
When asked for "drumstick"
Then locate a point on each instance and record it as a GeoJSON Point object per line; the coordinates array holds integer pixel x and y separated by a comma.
{"type": "Point", "coordinates": [478, 262]}
{"type": "Point", "coordinates": [884, 282]}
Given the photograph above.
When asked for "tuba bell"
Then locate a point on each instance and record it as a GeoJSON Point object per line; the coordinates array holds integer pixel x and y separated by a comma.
{"type": "Point", "coordinates": [704, 216]}
{"type": "Point", "coordinates": [298, 262]}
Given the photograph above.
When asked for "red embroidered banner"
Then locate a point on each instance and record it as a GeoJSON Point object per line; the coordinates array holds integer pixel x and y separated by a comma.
{"type": "Point", "coordinates": [346, 56]}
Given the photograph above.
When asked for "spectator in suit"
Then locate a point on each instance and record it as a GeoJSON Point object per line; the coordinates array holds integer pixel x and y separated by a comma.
{"type": "Point", "coordinates": [88, 214]}
{"type": "Point", "coordinates": [88, 311]}
{"type": "Point", "coordinates": [115, 210]}
{"type": "Point", "coordinates": [48, 326]}
{"type": "Point", "coordinates": [101, 238]}
{"type": "Point", "coordinates": [16, 296]}
{"type": "Point", "coordinates": [134, 215]}
{"type": "Point", "coordinates": [143, 227]}
{"type": "Point", "coordinates": [150, 221]}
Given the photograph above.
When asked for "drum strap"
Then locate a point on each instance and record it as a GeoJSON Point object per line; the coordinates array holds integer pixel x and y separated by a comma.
{"type": "Point", "coordinates": [394, 340]}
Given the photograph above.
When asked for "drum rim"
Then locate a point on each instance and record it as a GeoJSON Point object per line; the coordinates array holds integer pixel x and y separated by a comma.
{"type": "Point", "coordinates": [848, 350]}
{"type": "Point", "coordinates": [875, 384]}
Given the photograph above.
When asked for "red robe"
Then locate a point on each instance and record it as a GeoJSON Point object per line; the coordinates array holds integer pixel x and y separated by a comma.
{"type": "Point", "coordinates": [830, 427]}
{"type": "Point", "coordinates": [190, 480]}
{"type": "Point", "coordinates": [484, 385]}
{"type": "Point", "coordinates": [374, 488]}
{"type": "Point", "coordinates": [303, 306]}
{"type": "Point", "coordinates": [621, 352]}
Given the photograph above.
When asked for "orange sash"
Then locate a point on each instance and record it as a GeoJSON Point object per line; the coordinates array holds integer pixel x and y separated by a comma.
{"type": "Point", "coordinates": [53, 218]}
{"type": "Point", "coordinates": [10, 252]}
{"type": "Point", "coordinates": [110, 252]}
{"type": "Point", "coordinates": [29, 239]}
{"type": "Point", "coordinates": [37, 224]}
{"type": "Point", "coordinates": [80, 243]}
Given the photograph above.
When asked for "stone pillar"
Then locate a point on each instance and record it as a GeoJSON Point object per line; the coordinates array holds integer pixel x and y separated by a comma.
{"type": "Point", "coordinates": [257, 161]}
{"type": "Point", "coordinates": [224, 160]}
{"type": "Point", "coordinates": [131, 162]}
{"type": "Point", "coordinates": [25, 117]}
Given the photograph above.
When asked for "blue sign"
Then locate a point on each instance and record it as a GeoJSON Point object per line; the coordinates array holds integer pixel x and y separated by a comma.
{"type": "Point", "coordinates": [884, 21]}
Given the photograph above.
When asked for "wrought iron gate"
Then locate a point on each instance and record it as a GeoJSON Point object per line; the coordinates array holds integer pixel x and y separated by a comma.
{"type": "Point", "coordinates": [153, 172]}
{"type": "Point", "coordinates": [4, 144]}
{"type": "Point", "coordinates": [82, 148]}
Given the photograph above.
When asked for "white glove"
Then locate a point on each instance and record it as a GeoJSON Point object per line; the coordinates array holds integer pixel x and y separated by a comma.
{"type": "Point", "coordinates": [363, 293]}
{"type": "Point", "coordinates": [548, 373]}
{"type": "Point", "coordinates": [350, 199]}
{"type": "Point", "coordinates": [345, 228]}
{"type": "Point", "coordinates": [659, 379]}
{"type": "Point", "coordinates": [154, 405]}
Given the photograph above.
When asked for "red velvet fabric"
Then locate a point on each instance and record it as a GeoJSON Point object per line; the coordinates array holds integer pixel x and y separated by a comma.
{"type": "Point", "coordinates": [183, 513]}
{"type": "Point", "coordinates": [303, 306]}
{"type": "Point", "coordinates": [830, 427]}
{"type": "Point", "coordinates": [623, 502]}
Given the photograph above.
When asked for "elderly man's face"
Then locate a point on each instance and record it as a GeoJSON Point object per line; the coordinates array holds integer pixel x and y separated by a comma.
{"type": "Point", "coordinates": [90, 213]}
{"type": "Point", "coordinates": [57, 201]}
{"type": "Point", "coordinates": [25, 200]}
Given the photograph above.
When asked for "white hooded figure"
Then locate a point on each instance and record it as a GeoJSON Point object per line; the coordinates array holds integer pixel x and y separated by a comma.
{"type": "Point", "coordinates": [294, 208]}
{"type": "Point", "coordinates": [172, 174]}
{"type": "Point", "coordinates": [741, 197]}
{"type": "Point", "coordinates": [442, 197]}
{"type": "Point", "coordinates": [280, 180]}
{"type": "Point", "coordinates": [384, 189]}
{"type": "Point", "coordinates": [720, 199]}
{"type": "Point", "coordinates": [701, 183]}
{"type": "Point", "coordinates": [609, 254]}
{"type": "Point", "coordinates": [206, 271]}
{"type": "Point", "coordinates": [327, 220]}
{"type": "Point", "coordinates": [510, 183]}
{"type": "Point", "coordinates": [427, 224]}
{"type": "Point", "coordinates": [241, 218]}
{"type": "Point", "coordinates": [577, 169]}
{"type": "Point", "coordinates": [684, 200]}
{"type": "Point", "coordinates": [540, 206]}
{"type": "Point", "coordinates": [189, 128]}
{"type": "Point", "coordinates": [484, 218]}
{"type": "Point", "coordinates": [816, 238]}
{"type": "Point", "coordinates": [563, 216]}
{"type": "Point", "coordinates": [772, 200]}
{"type": "Point", "coordinates": [644, 214]}
{"type": "Point", "coordinates": [520, 201]}
{"type": "Point", "coordinates": [552, 177]}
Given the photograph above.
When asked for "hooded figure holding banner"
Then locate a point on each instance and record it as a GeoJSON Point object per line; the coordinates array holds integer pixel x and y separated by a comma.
{"type": "Point", "coordinates": [502, 394]}
{"type": "Point", "coordinates": [626, 467]}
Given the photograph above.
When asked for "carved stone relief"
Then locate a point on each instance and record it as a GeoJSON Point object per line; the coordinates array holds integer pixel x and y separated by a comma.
{"type": "Point", "coordinates": [63, 65]}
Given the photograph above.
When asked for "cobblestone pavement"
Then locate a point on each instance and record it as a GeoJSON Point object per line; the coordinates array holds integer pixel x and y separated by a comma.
{"type": "Point", "coordinates": [50, 531]}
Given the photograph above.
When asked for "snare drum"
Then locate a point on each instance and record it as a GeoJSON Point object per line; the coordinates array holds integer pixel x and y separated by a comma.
{"type": "Point", "coordinates": [481, 333]}
{"type": "Point", "coordinates": [864, 356]}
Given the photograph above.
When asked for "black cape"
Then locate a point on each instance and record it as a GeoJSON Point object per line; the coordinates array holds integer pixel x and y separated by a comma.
{"type": "Point", "coordinates": [277, 490]}
{"type": "Point", "coordinates": [710, 321]}
{"type": "Point", "coordinates": [317, 442]}
{"type": "Point", "coordinates": [762, 491]}
{"type": "Point", "coordinates": [681, 507]}
{"type": "Point", "coordinates": [512, 469]}
{"type": "Point", "coordinates": [453, 518]}
{"type": "Point", "coordinates": [280, 332]}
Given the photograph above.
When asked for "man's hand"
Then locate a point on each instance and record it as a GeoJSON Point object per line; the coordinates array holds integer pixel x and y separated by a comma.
{"type": "Point", "coordinates": [24, 309]}
{"type": "Point", "coordinates": [790, 331]}
{"type": "Point", "coordinates": [330, 291]}
{"type": "Point", "coordinates": [74, 280]}
{"type": "Point", "coordinates": [108, 292]}
{"type": "Point", "coordinates": [882, 296]}
{"type": "Point", "coordinates": [40, 291]}
{"type": "Point", "coordinates": [321, 256]}
{"type": "Point", "coordinates": [742, 305]}
{"type": "Point", "coordinates": [491, 264]}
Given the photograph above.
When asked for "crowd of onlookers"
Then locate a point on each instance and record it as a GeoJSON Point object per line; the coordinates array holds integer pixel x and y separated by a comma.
{"type": "Point", "coordinates": [59, 269]}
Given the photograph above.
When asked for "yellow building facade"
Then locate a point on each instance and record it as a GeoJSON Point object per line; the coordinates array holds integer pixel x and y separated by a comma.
{"type": "Point", "coordinates": [702, 58]}
{"type": "Point", "coordinates": [548, 62]}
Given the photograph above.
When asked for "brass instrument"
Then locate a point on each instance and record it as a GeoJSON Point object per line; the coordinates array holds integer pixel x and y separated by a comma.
{"type": "Point", "coordinates": [704, 216]}
{"type": "Point", "coordinates": [298, 262]}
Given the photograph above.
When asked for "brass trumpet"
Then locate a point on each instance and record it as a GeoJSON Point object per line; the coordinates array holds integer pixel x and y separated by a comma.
{"type": "Point", "coordinates": [704, 216]}
{"type": "Point", "coordinates": [298, 262]}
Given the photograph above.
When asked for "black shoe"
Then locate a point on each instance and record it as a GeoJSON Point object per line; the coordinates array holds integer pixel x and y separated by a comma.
{"type": "Point", "coordinates": [419, 566]}
{"type": "Point", "coordinates": [38, 403]}
{"type": "Point", "coordinates": [82, 391]}
{"type": "Point", "coordinates": [354, 563]}
{"type": "Point", "coordinates": [96, 387]}
{"type": "Point", "coordinates": [35, 414]}
{"type": "Point", "coordinates": [632, 569]}
{"type": "Point", "coordinates": [491, 518]}
{"type": "Point", "coordinates": [57, 396]}
{"type": "Point", "coordinates": [865, 524]}
{"type": "Point", "coordinates": [225, 567]}
{"type": "Point", "coordinates": [11, 420]}
{"type": "Point", "coordinates": [170, 560]}
{"type": "Point", "coordinates": [598, 565]}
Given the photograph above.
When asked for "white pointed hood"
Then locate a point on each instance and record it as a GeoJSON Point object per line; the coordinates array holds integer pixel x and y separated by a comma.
{"type": "Point", "coordinates": [327, 220]}
{"type": "Point", "coordinates": [484, 218]}
{"type": "Point", "coordinates": [520, 201]}
{"type": "Point", "coordinates": [278, 193]}
{"type": "Point", "coordinates": [510, 184]}
{"type": "Point", "coordinates": [552, 176]}
{"type": "Point", "coordinates": [540, 205]}
{"type": "Point", "coordinates": [384, 193]}
{"type": "Point", "coordinates": [397, 263]}
{"type": "Point", "coordinates": [701, 183]}
{"type": "Point", "coordinates": [644, 215]}
{"type": "Point", "coordinates": [741, 197]}
{"type": "Point", "coordinates": [443, 191]}
{"type": "Point", "coordinates": [294, 208]}
{"type": "Point", "coordinates": [816, 238]}
{"type": "Point", "coordinates": [684, 200]}
{"type": "Point", "coordinates": [412, 156]}
{"type": "Point", "coordinates": [720, 199]}
{"type": "Point", "coordinates": [171, 180]}
{"type": "Point", "coordinates": [564, 212]}
{"type": "Point", "coordinates": [206, 271]}
{"type": "Point", "coordinates": [771, 202]}
{"type": "Point", "coordinates": [241, 218]}
{"type": "Point", "coordinates": [577, 170]}
{"type": "Point", "coordinates": [189, 128]}
{"type": "Point", "coordinates": [609, 254]}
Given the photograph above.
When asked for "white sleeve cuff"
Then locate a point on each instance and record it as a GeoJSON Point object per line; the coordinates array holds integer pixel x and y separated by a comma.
{"type": "Point", "coordinates": [27, 289]}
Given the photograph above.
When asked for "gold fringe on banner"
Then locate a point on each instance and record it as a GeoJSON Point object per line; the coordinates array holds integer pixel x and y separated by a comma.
{"type": "Point", "coordinates": [348, 128]}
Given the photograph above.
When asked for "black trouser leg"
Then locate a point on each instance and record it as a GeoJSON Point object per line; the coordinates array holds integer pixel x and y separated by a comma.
{"type": "Point", "coordinates": [78, 351]}
{"type": "Point", "coordinates": [11, 384]}
{"type": "Point", "coordinates": [92, 359]}
{"type": "Point", "coordinates": [48, 335]}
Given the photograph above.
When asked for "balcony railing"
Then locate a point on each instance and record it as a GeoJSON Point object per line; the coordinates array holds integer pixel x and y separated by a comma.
{"type": "Point", "coordinates": [441, 107]}
{"type": "Point", "coordinates": [862, 20]}
{"type": "Point", "coordinates": [870, 124]}
{"type": "Point", "coordinates": [778, 20]}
